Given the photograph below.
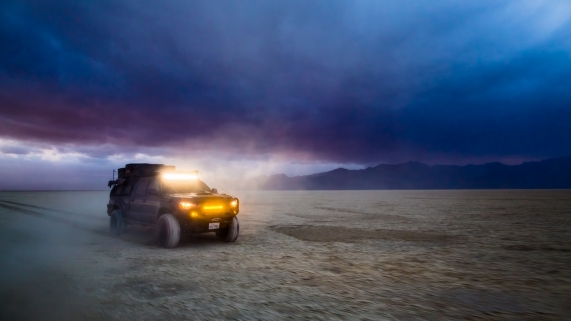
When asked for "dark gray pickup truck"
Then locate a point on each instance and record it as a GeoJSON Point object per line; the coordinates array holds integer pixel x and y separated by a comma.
{"type": "Point", "coordinates": [174, 202]}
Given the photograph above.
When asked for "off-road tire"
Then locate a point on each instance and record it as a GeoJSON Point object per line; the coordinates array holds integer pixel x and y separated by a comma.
{"type": "Point", "coordinates": [168, 231]}
{"type": "Point", "coordinates": [116, 223]}
{"type": "Point", "coordinates": [229, 233]}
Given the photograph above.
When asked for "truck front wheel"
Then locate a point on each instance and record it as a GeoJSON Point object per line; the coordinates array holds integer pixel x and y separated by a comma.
{"type": "Point", "coordinates": [230, 233]}
{"type": "Point", "coordinates": [168, 231]}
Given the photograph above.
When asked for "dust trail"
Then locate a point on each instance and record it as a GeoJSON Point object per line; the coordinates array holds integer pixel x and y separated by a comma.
{"type": "Point", "coordinates": [45, 261]}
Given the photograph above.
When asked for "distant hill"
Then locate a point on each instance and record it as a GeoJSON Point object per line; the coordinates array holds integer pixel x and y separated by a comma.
{"type": "Point", "coordinates": [550, 173]}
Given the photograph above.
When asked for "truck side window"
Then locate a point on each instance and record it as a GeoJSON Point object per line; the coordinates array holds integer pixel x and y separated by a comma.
{"type": "Point", "coordinates": [142, 188]}
{"type": "Point", "coordinates": [155, 185]}
{"type": "Point", "coordinates": [127, 186]}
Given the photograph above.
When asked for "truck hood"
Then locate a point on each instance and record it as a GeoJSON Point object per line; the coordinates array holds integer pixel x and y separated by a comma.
{"type": "Point", "coordinates": [200, 196]}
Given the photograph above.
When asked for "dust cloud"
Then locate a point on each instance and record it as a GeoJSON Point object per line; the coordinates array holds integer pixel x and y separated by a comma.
{"type": "Point", "coordinates": [319, 255]}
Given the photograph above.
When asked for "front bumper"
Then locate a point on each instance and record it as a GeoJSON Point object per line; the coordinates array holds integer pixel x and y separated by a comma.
{"type": "Point", "coordinates": [190, 225]}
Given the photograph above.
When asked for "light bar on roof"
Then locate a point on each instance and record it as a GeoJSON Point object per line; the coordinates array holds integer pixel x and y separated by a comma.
{"type": "Point", "coordinates": [180, 176]}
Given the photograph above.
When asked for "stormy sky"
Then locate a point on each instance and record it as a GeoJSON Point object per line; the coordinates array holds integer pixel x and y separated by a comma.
{"type": "Point", "coordinates": [237, 88]}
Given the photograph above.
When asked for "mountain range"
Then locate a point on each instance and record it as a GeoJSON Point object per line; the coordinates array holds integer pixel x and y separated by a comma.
{"type": "Point", "coordinates": [552, 173]}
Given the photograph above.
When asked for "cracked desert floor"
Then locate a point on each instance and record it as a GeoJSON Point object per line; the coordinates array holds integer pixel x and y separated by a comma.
{"type": "Point", "coordinates": [301, 255]}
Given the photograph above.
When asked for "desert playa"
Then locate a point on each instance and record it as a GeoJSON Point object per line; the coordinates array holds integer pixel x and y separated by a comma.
{"type": "Point", "coordinates": [319, 255]}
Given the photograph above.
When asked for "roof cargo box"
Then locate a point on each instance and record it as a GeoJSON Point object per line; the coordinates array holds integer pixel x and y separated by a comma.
{"type": "Point", "coordinates": [143, 169]}
{"type": "Point", "coordinates": [121, 173]}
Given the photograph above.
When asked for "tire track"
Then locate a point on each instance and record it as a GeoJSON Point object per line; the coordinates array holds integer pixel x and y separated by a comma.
{"type": "Point", "coordinates": [49, 209]}
{"type": "Point", "coordinates": [367, 215]}
{"type": "Point", "coordinates": [21, 210]}
{"type": "Point", "coordinates": [50, 218]}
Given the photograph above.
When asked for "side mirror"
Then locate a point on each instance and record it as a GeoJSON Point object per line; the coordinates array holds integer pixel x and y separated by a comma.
{"type": "Point", "coordinates": [214, 191]}
{"type": "Point", "coordinates": [152, 191]}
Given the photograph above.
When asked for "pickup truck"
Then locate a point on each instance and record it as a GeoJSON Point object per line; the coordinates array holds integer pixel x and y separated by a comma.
{"type": "Point", "coordinates": [174, 202]}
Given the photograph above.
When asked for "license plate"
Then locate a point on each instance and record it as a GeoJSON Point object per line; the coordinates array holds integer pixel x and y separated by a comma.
{"type": "Point", "coordinates": [213, 226]}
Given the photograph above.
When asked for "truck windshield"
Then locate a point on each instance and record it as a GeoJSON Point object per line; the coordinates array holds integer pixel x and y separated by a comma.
{"type": "Point", "coordinates": [185, 186]}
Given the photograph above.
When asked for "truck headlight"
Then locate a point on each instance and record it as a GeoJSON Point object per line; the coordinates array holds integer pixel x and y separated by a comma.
{"type": "Point", "coordinates": [186, 205]}
{"type": "Point", "coordinates": [234, 203]}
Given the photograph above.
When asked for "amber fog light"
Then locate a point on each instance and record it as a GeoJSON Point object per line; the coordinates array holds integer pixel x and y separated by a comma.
{"type": "Point", "coordinates": [213, 207]}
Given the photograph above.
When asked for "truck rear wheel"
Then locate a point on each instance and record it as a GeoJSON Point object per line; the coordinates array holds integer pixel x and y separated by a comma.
{"type": "Point", "coordinates": [230, 233]}
{"type": "Point", "coordinates": [168, 231]}
{"type": "Point", "coordinates": [116, 224]}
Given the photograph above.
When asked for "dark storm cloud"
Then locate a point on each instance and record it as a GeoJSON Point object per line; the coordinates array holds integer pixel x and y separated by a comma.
{"type": "Point", "coordinates": [358, 81]}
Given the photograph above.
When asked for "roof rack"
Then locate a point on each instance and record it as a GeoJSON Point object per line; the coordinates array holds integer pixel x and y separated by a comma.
{"type": "Point", "coordinates": [137, 170]}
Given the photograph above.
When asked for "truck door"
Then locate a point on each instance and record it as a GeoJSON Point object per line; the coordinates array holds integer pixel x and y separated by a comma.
{"type": "Point", "coordinates": [137, 209]}
{"type": "Point", "coordinates": [152, 202]}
